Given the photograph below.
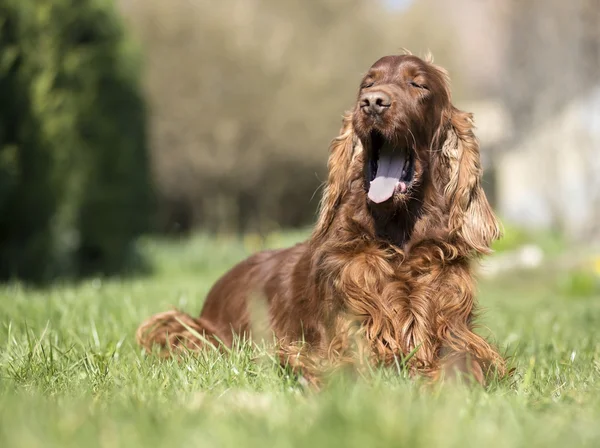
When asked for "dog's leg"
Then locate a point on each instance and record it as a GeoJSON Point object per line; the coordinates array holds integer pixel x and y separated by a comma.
{"type": "Point", "coordinates": [461, 350]}
{"type": "Point", "coordinates": [442, 299]}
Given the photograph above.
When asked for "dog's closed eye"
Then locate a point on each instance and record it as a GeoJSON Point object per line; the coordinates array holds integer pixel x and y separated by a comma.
{"type": "Point", "coordinates": [418, 85]}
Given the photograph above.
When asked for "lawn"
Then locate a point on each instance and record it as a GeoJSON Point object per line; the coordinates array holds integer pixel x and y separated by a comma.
{"type": "Point", "coordinates": [71, 374]}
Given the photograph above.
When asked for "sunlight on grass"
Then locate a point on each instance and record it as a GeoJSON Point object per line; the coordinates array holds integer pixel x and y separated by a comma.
{"type": "Point", "coordinates": [71, 374]}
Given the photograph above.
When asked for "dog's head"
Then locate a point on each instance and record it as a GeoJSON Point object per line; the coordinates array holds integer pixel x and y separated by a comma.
{"type": "Point", "coordinates": [399, 109]}
{"type": "Point", "coordinates": [411, 139]}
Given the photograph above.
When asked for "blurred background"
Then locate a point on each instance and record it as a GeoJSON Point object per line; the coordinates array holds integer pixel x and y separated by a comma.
{"type": "Point", "coordinates": [129, 119]}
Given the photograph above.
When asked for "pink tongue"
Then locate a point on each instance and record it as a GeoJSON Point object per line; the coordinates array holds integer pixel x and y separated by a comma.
{"type": "Point", "coordinates": [389, 170]}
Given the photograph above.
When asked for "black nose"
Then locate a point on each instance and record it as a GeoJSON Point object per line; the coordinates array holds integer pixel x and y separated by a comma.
{"type": "Point", "coordinates": [375, 103]}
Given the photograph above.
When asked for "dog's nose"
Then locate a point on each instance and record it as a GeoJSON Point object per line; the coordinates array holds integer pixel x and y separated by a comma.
{"type": "Point", "coordinates": [375, 103]}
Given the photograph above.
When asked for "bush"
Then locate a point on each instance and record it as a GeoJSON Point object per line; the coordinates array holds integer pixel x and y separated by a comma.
{"type": "Point", "coordinates": [74, 188]}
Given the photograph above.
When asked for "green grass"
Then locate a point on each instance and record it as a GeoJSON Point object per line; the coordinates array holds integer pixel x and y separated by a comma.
{"type": "Point", "coordinates": [71, 374]}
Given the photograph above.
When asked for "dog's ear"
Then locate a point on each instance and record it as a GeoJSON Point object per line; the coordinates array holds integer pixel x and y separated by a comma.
{"type": "Point", "coordinates": [343, 150]}
{"type": "Point", "coordinates": [459, 173]}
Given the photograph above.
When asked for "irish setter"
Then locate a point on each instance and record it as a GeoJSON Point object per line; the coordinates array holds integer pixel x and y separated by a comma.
{"type": "Point", "coordinates": [388, 264]}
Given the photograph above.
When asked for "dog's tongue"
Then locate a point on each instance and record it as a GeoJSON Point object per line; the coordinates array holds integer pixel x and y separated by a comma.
{"type": "Point", "coordinates": [389, 170]}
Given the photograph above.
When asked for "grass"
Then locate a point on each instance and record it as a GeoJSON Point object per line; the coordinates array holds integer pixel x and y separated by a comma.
{"type": "Point", "coordinates": [71, 374]}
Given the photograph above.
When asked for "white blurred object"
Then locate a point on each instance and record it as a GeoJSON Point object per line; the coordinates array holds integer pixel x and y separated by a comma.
{"type": "Point", "coordinates": [528, 256]}
{"type": "Point", "coordinates": [550, 177]}
{"type": "Point", "coordinates": [531, 256]}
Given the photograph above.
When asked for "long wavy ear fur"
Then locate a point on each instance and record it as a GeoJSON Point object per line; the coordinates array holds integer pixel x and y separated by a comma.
{"type": "Point", "coordinates": [471, 216]}
{"type": "Point", "coordinates": [342, 151]}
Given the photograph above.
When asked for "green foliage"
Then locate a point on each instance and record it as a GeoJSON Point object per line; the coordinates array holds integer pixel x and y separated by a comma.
{"type": "Point", "coordinates": [514, 237]}
{"type": "Point", "coordinates": [74, 188]}
{"type": "Point", "coordinates": [71, 374]}
{"type": "Point", "coordinates": [580, 282]}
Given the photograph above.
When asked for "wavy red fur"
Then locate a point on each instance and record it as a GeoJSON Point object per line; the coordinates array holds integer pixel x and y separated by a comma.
{"type": "Point", "coordinates": [385, 280]}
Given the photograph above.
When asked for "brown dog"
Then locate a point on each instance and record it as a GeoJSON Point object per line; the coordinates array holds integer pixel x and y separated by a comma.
{"type": "Point", "coordinates": [402, 216]}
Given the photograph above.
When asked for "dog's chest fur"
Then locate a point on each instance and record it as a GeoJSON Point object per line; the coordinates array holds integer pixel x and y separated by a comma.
{"type": "Point", "coordinates": [387, 294]}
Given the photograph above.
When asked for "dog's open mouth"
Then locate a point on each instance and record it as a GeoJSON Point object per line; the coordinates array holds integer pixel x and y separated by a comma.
{"type": "Point", "coordinates": [390, 169]}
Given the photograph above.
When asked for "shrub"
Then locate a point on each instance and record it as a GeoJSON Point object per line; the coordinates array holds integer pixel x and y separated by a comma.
{"type": "Point", "coordinates": [74, 190]}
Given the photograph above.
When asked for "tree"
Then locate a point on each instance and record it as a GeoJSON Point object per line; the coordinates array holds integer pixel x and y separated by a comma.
{"type": "Point", "coordinates": [72, 139]}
